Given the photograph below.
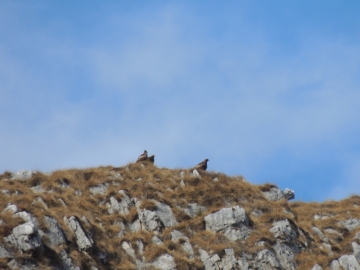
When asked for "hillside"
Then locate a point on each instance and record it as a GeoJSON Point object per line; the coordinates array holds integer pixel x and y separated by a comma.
{"type": "Point", "coordinates": [140, 216]}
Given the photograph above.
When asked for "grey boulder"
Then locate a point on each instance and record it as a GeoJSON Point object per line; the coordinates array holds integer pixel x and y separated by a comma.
{"type": "Point", "coordinates": [25, 237]}
{"type": "Point", "coordinates": [266, 260]}
{"type": "Point", "coordinates": [233, 222]}
{"type": "Point", "coordinates": [83, 240]}
{"type": "Point", "coordinates": [276, 194]}
{"type": "Point", "coordinates": [22, 175]}
{"type": "Point", "coordinates": [54, 234]}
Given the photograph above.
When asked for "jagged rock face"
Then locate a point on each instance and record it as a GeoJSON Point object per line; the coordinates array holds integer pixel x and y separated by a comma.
{"type": "Point", "coordinates": [25, 237]}
{"type": "Point", "coordinates": [149, 220]}
{"type": "Point", "coordinates": [143, 217]}
{"type": "Point", "coordinates": [351, 224]}
{"type": "Point", "coordinates": [266, 260]}
{"type": "Point", "coordinates": [283, 230]}
{"type": "Point", "coordinates": [55, 234]}
{"type": "Point", "coordinates": [187, 247]}
{"type": "Point", "coordinates": [349, 262]}
{"type": "Point", "coordinates": [83, 240]}
{"type": "Point", "coordinates": [286, 256]}
{"type": "Point", "coordinates": [193, 209]}
{"type": "Point", "coordinates": [233, 222]}
{"type": "Point", "coordinates": [275, 194]}
{"type": "Point", "coordinates": [165, 262]}
{"type": "Point", "coordinates": [67, 263]}
{"type": "Point", "coordinates": [4, 253]}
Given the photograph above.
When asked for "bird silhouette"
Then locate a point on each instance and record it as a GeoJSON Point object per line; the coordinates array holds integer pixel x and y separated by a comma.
{"type": "Point", "coordinates": [202, 165]}
{"type": "Point", "coordinates": [142, 157]}
{"type": "Point", "coordinates": [151, 159]}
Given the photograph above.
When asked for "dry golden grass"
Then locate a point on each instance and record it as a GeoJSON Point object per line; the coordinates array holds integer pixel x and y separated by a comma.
{"type": "Point", "coordinates": [163, 185]}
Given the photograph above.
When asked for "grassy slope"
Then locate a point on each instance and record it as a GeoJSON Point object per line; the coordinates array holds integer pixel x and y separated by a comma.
{"type": "Point", "coordinates": [163, 185]}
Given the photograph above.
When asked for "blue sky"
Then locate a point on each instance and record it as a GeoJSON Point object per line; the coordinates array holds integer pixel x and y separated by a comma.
{"type": "Point", "coordinates": [264, 89]}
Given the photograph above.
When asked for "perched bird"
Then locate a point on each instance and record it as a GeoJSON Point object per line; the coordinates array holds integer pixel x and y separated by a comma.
{"type": "Point", "coordinates": [202, 165]}
{"type": "Point", "coordinates": [142, 157]}
{"type": "Point", "coordinates": [151, 159]}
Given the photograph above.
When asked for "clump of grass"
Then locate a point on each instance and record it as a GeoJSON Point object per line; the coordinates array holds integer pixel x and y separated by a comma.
{"type": "Point", "coordinates": [148, 205]}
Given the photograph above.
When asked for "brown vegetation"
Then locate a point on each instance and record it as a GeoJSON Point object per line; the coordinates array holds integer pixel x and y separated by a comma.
{"type": "Point", "coordinates": [146, 182]}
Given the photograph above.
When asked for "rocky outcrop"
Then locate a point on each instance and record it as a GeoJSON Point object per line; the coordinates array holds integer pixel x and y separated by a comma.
{"type": "Point", "coordinates": [266, 260]}
{"type": "Point", "coordinates": [83, 240]}
{"type": "Point", "coordinates": [25, 237]}
{"type": "Point", "coordinates": [177, 236]}
{"type": "Point", "coordinates": [276, 194]}
{"type": "Point", "coordinates": [54, 234]}
{"type": "Point", "coordinates": [233, 222]}
{"type": "Point", "coordinates": [193, 209]}
{"type": "Point", "coordinates": [22, 175]}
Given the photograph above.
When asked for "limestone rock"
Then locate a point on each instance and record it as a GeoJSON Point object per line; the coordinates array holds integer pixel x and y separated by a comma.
{"type": "Point", "coordinates": [99, 189]}
{"type": "Point", "coordinates": [349, 262]}
{"type": "Point", "coordinates": [122, 231]}
{"type": "Point", "coordinates": [286, 256]}
{"type": "Point", "coordinates": [40, 202]}
{"type": "Point", "coordinates": [351, 224]}
{"type": "Point", "coordinates": [128, 249]}
{"type": "Point", "coordinates": [289, 194]}
{"type": "Point", "coordinates": [316, 267]}
{"type": "Point", "coordinates": [243, 264]}
{"type": "Point", "coordinates": [335, 265]}
{"type": "Point", "coordinates": [38, 189]}
{"type": "Point", "coordinates": [206, 259]}
{"type": "Point", "coordinates": [25, 236]}
{"type": "Point", "coordinates": [23, 265]}
{"type": "Point", "coordinates": [233, 222]}
{"type": "Point", "coordinates": [11, 208]}
{"type": "Point", "coordinates": [276, 194]}
{"type": "Point", "coordinates": [22, 175]}
{"type": "Point", "coordinates": [165, 262]}
{"type": "Point", "coordinates": [283, 230]}
{"type": "Point", "coordinates": [67, 263]}
{"type": "Point", "coordinates": [356, 250]}
{"type": "Point", "coordinates": [229, 261]}
{"type": "Point", "coordinates": [83, 240]}
{"type": "Point", "coordinates": [320, 234]}
{"type": "Point", "coordinates": [4, 253]}
{"type": "Point", "coordinates": [165, 214]}
{"type": "Point", "coordinates": [149, 220]}
{"type": "Point", "coordinates": [193, 209]}
{"type": "Point", "coordinates": [55, 234]}
{"type": "Point", "coordinates": [328, 248]}
{"type": "Point", "coordinates": [135, 226]}
{"type": "Point", "coordinates": [26, 217]}
{"type": "Point", "coordinates": [156, 240]}
{"type": "Point", "coordinates": [123, 206]}
{"type": "Point", "coordinates": [266, 260]}
{"type": "Point", "coordinates": [196, 174]}
{"type": "Point", "coordinates": [187, 247]}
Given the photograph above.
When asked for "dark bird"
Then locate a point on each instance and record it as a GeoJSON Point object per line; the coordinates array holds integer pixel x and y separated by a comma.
{"type": "Point", "coordinates": [151, 159]}
{"type": "Point", "coordinates": [202, 165]}
{"type": "Point", "coordinates": [142, 157]}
